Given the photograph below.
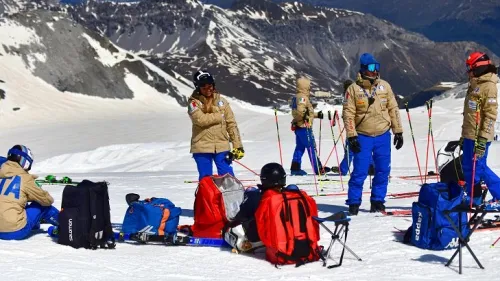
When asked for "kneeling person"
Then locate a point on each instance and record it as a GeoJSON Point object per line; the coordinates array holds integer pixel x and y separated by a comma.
{"type": "Point", "coordinates": [18, 187]}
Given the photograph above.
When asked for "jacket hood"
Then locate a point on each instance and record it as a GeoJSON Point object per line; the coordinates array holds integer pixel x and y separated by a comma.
{"type": "Point", "coordinates": [303, 86]}
{"type": "Point", "coordinates": [488, 77]}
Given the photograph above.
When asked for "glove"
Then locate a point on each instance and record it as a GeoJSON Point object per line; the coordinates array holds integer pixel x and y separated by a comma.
{"type": "Point", "coordinates": [480, 147]}
{"type": "Point", "coordinates": [320, 115]}
{"type": "Point", "coordinates": [236, 153]}
{"type": "Point", "coordinates": [354, 144]}
{"type": "Point", "coordinates": [398, 140]}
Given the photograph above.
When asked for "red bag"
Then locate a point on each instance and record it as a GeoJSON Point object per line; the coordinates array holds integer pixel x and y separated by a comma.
{"type": "Point", "coordinates": [286, 227]}
{"type": "Point", "coordinates": [212, 208]}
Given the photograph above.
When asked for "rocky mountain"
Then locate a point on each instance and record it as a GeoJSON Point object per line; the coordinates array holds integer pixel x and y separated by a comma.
{"type": "Point", "coordinates": [72, 58]}
{"type": "Point", "coordinates": [257, 47]}
{"type": "Point", "coordinates": [442, 21]}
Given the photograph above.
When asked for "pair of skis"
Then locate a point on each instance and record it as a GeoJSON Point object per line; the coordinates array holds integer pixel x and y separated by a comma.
{"type": "Point", "coordinates": [145, 238]}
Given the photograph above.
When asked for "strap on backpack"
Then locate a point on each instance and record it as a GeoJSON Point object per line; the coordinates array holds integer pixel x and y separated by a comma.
{"type": "Point", "coordinates": [286, 216]}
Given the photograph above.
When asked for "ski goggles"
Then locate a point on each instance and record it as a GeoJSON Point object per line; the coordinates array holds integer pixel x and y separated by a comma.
{"type": "Point", "coordinates": [470, 67]}
{"type": "Point", "coordinates": [372, 67]}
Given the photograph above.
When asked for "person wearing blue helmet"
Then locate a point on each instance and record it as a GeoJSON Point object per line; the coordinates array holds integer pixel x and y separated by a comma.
{"type": "Point", "coordinates": [370, 111]}
{"type": "Point", "coordinates": [23, 204]}
{"type": "Point", "coordinates": [345, 164]}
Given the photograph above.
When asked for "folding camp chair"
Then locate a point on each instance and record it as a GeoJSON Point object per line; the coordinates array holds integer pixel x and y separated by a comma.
{"type": "Point", "coordinates": [341, 221]}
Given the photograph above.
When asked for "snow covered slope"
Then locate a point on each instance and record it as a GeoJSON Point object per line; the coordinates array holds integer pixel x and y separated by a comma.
{"type": "Point", "coordinates": [147, 152]}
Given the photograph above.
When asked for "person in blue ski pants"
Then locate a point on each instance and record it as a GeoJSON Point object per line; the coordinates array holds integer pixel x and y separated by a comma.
{"type": "Point", "coordinates": [303, 115]}
{"type": "Point", "coordinates": [304, 140]}
{"type": "Point", "coordinates": [346, 162]}
{"type": "Point", "coordinates": [370, 111]}
{"type": "Point", "coordinates": [476, 139]}
{"type": "Point", "coordinates": [214, 128]}
{"type": "Point", "coordinates": [23, 205]}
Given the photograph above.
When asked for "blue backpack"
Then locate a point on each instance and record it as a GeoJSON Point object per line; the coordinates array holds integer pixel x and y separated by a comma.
{"type": "Point", "coordinates": [430, 229]}
{"type": "Point", "coordinates": [154, 216]}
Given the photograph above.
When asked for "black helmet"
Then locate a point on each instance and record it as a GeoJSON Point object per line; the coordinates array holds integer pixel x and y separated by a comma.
{"type": "Point", "coordinates": [203, 77]}
{"type": "Point", "coordinates": [272, 175]}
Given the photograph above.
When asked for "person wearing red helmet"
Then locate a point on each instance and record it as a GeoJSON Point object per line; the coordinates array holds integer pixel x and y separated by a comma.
{"type": "Point", "coordinates": [476, 139]}
{"type": "Point", "coordinates": [214, 128]}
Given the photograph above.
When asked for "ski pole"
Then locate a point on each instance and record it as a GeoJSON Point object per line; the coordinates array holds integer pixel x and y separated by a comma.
{"type": "Point", "coordinates": [496, 241]}
{"type": "Point", "coordinates": [344, 145]}
{"type": "Point", "coordinates": [475, 155]}
{"type": "Point", "coordinates": [278, 131]}
{"type": "Point", "coordinates": [432, 139]}
{"type": "Point", "coordinates": [337, 118]}
{"type": "Point", "coordinates": [246, 167]}
{"type": "Point", "coordinates": [319, 146]}
{"type": "Point", "coordinates": [428, 141]}
{"type": "Point", "coordinates": [335, 145]}
{"type": "Point", "coordinates": [311, 153]}
{"type": "Point", "coordinates": [414, 144]}
{"type": "Point", "coordinates": [334, 141]}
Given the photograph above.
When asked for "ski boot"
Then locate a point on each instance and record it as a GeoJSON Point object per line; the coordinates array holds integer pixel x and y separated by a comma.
{"type": "Point", "coordinates": [377, 206]}
{"type": "Point", "coordinates": [295, 170]}
{"type": "Point", "coordinates": [353, 209]}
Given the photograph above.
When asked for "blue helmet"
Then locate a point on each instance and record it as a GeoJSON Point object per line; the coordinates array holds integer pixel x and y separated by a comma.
{"type": "Point", "coordinates": [368, 62]}
{"type": "Point", "coordinates": [21, 155]}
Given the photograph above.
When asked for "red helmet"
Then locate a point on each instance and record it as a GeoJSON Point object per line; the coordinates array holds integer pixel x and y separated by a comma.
{"type": "Point", "coordinates": [477, 59]}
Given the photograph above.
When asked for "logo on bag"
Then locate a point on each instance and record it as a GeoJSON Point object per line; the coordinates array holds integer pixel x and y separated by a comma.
{"type": "Point", "coordinates": [419, 224]}
{"type": "Point", "coordinates": [453, 243]}
{"type": "Point", "coordinates": [70, 229]}
{"type": "Point", "coordinates": [147, 230]}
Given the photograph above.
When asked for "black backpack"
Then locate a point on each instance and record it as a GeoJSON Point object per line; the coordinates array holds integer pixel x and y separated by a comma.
{"type": "Point", "coordinates": [84, 220]}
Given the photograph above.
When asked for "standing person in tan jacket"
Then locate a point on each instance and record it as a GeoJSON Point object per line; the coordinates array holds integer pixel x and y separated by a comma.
{"type": "Point", "coordinates": [303, 115]}
{"type": "Point", "coordinates": [17, 188]}
{"type": "Point", "coordinates": [481, 95]}
{"type": "Point", "coordinates": [370, 110]}
{"type": "Point", "coordinates": [214, 128]}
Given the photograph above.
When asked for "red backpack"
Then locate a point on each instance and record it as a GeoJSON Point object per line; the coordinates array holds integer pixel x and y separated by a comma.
{"type": "Point", "coordinates": [217, 200]}
{"type": "Point", "coordinates": [286, 227]}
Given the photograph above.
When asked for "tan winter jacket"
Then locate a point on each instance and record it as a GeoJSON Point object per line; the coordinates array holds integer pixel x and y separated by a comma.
{"type": "Point", "coordinates": [213, 129]}
{"type": "Point", "coordinates": [301, 105]}
{"type": "Point", "coordinates": [483, 92]}
{"type": "Point", "coordinates": [380, 116]}
{"type": "Point", "coordinates": [18, 188]}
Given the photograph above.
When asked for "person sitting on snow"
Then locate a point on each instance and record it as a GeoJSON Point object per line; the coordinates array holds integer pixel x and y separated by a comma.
{"type": "Point", "coordinates": [18, 187]}
{"type": "Point", "coordinates": [241, 232]}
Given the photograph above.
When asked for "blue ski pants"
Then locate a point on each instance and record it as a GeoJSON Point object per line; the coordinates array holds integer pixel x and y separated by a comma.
{"type": "Point", "coordinates": [205, 166]}
{"type": "Point", "coordinates": [34, 214]}
{"type": "Point", "coordinates": [380, 148]}
{"type": "Point", "coordinates": [304, 140]}
{"type": "Point", "coordinates": [346, 162]}
{"type": "Point", "coordinates": [483, 172]}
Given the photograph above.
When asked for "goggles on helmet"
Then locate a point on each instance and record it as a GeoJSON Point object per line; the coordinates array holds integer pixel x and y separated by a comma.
{"type": "Point", "coordinates": [470, 67]}
{"type": "Point", "coordinates": [372, 67]}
